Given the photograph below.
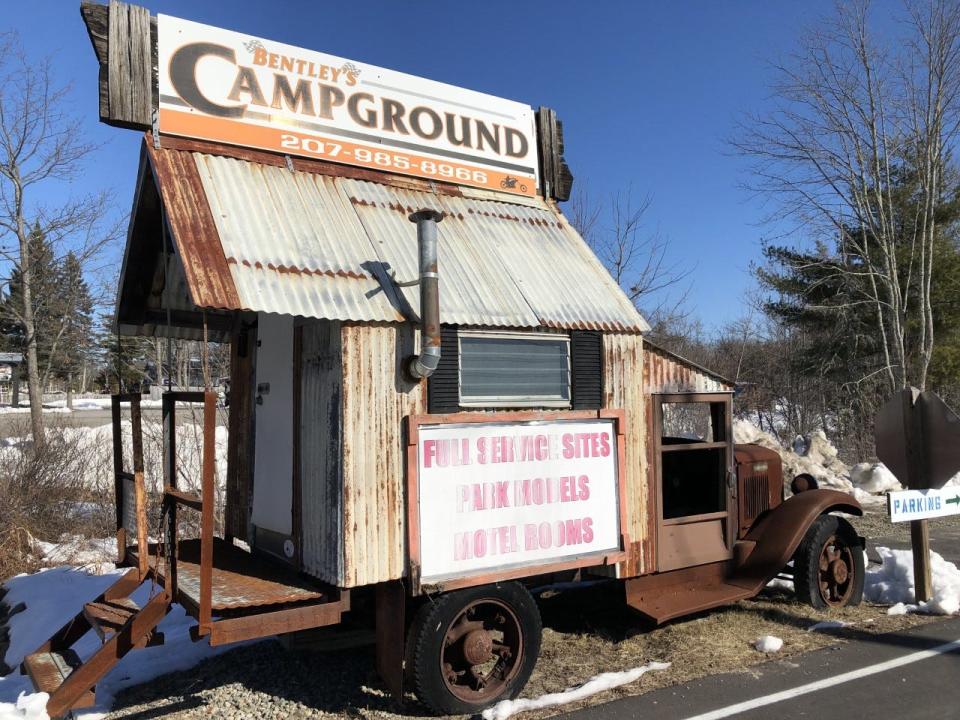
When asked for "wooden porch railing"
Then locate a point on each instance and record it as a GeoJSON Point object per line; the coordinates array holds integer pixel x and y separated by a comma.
{"type": "Point", "coordinates": [204, 503]}
{"type": "Point", "coordinates": [129, 485]}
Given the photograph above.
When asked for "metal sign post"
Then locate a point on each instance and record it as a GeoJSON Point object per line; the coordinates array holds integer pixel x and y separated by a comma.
{"type": "Point", "coordinates": [918, 439]}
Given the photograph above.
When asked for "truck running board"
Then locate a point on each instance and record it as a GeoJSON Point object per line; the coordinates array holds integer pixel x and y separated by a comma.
{"type": "Point", "coordinates": [670, 595]}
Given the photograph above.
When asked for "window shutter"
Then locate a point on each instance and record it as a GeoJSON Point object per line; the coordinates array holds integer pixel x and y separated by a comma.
{"type": "Point", "coordinates": [443, 387]}
{"type": "Point", "coordinates": [586, 368]}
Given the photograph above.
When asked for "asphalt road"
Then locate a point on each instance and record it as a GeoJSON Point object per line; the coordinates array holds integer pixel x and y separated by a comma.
{"type": "Point", "coordinates": [910, 675]}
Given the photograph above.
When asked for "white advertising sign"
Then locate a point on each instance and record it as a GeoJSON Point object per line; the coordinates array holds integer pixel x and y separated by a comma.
{"type": "Point", "coordinates": [224, 86]}
{"type": "Point", "coordinates": [500, 495]}
{"type": "Point", "coordinates": [906, 505]}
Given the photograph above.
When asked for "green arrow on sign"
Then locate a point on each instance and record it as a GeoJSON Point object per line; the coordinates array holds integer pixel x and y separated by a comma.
{"type": "Point", "coordinates": [955, 500]}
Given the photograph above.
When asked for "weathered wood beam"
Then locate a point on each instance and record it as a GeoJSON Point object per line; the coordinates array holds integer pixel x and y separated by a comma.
{"type": "Point", "coordinates": [554, 171]}
{"type": "Point", "coordinates": [124, 38]}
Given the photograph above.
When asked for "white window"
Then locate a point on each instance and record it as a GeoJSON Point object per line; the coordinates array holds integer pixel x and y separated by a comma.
{"type": "Point", "coordinates": [514, 370]}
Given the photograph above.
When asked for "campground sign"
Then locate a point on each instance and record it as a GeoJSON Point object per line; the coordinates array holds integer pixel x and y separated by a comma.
{"type": "Point", "coordinates": [223, 86]}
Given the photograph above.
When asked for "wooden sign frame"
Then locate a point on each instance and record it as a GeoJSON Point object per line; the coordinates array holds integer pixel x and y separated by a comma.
{"type": "Point", "coordinates": [511, 573]}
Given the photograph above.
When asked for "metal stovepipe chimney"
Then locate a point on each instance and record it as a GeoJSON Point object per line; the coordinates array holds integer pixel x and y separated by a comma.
{"type": "Point", "coordinates": [423, 365]}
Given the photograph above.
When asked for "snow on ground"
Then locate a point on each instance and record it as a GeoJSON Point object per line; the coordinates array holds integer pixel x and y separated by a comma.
{"type": "Point", "coordinates": [768, 644]}
{"type": "Point", "coordinates": [93, 553]}
{"type": "Point", "coordinates": [52, 597]}
{"type": "Point", "coordinates": [828, 625]}
{"type": "Point", "coordinates": [892, 584]}
{"type": "Point", "coordinates": [598, 683]}
{"type": "Point", "coordinates": [101, 402]}
{"type": "Point", "coordinates": [93, 449]}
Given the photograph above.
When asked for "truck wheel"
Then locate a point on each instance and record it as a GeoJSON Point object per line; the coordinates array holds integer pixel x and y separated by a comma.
{"type": "Point", "coordinates": [472, 648]}
{"type": "Point", "coordinates": [828, 566]}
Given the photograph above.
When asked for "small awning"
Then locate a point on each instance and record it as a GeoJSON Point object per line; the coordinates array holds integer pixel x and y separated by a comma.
{"type": "Point", "coordinates": [252, 231]}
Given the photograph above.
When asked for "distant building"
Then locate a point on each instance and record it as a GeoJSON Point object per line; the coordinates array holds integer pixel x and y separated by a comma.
{"type": "Point", "coordinates": [10, 378]}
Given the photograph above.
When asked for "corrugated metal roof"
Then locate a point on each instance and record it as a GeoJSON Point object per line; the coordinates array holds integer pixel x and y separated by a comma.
{"type": "Point", "coordinates": [315, 245]}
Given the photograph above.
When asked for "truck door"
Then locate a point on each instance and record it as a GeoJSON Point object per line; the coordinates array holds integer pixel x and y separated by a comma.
{"type": "Point", "coordinates": [693, 438]}
{"type": "Point", "coordinates": [272, 515]}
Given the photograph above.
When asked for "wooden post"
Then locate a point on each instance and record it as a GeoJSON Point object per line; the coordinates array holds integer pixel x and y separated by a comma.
{"type": "Point", "coordinates": [917, 479]}
{"type": "Point", "coordinates": [139, 492]}
{"type": "Point", "coordinates": [117, 479]}
{"type": "Point", "coordinates": [208, 494]}
{"type": "Point", "coordinates": [168, 403]}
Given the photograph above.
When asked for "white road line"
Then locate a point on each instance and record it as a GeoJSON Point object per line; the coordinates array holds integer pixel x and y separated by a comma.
{"type": "Point", "coordinates": [827, 682]}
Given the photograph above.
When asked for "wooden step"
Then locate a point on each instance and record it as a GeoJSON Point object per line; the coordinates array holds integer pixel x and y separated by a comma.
{"type": "Point", "coordinates": [667, 603]}
{"type": "Point", "coordinates": [49, 670]}
{"type": "Point", "coordinates": [108, 617]}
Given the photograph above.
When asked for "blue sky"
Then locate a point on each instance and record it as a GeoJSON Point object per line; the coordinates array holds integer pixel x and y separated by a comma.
{"type": "Point", "coordinates": [647, 91]}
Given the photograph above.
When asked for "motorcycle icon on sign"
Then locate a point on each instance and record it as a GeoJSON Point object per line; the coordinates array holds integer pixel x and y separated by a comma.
{"type": "Point", "coordinates": [510, 183]}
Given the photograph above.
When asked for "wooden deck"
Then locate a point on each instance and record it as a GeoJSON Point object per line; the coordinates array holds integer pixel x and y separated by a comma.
{"type": "Point", "coordinates": [240, 580]}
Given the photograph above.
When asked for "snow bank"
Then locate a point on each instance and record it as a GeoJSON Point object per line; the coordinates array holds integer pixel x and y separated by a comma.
{"type": "Point", "coordinates": [52, 597]}
{"type": "Point", "coordinates": [874, 478]}
{"type": "Point", "coordinates": [892, 584]}
{"type": "Point", "coordinates": [598, 683]}
{"type": "Point", "coordinates": [813, 455]}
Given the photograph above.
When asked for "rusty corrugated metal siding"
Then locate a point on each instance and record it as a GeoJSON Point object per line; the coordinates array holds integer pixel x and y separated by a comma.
{"type": "Point", "coordinates": [259, 236]}
{"type": "Point", "coordinates": [321, 451]}
{"type": "Point", "coordinates": [376, 399]}
{"type": "Point", "coordinates": [474, 287]}
{"type": "Point", "coordinates": [195, 235]}
{"type": "Point", "coordinates": [293, 243]}
{"type": "Point", "coordinates": [665, 372]}
{"type": "Point", "coordinates": [623, 362]}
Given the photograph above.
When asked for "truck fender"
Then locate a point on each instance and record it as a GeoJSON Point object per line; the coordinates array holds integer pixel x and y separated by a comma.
{"type": "Point", "coordinates": [778, 533]}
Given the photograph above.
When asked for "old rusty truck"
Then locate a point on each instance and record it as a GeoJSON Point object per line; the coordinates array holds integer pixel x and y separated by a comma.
{"type": "Point", "coordinates": [439, 397]}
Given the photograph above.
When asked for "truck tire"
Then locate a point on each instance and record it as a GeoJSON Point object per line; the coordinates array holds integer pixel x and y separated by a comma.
{"type": "Point", "coordinates": [472, 648]}
{"type": "Point", "coordinates": [828, 566]}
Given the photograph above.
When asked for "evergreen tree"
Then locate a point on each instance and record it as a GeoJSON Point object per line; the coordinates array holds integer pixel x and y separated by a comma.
{"type": "Point", "coordinates": [62, 313]}
{"type": "Point", "coordinates": [127, 361]}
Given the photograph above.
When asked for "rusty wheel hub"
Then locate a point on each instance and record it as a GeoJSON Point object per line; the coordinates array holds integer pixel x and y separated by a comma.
{"type": "Point", "coordinates": [482, 651]}
{"type": "Point", "coordinates": [835, 577]}
{"type": "Point", "coordinates": [477, 647]}
{"type": "Point", "coordinates": [838, 568]}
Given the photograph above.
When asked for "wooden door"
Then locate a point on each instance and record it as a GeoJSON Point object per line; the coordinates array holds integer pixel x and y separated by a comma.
{"type": "Point", "coordinates": [696, 502]}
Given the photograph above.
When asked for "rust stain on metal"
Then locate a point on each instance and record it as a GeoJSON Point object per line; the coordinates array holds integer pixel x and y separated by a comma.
{"type": "Point", "coordinates": [376, 398]}
{"type": "Point", "coordinates": [666, 372]}
{"type": "Point", "coordinates": [623, 360]}
{"type": "Point", "coordinates": [193, 228]}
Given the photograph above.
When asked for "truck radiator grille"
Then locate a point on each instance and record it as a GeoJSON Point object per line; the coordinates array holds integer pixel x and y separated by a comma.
{"type": "Point", "coordinates": [757, 490]}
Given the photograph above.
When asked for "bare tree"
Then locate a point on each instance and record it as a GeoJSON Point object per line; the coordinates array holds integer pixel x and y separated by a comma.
{"type": "Point", "coordinates": [40, 146]}
{"type": "Point", "coordinates": [852, 117]}
{"type": "Point", "coordinates": [637, 260]}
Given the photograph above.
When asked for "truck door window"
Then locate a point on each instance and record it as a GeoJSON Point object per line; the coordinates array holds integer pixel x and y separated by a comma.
{"type": "Point", "coordinates": [693, 458]}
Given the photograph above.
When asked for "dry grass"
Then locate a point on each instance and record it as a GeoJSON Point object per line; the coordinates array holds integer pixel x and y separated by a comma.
{"type": "Point", "coordinates": [45, 495]}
